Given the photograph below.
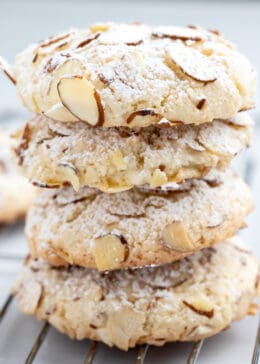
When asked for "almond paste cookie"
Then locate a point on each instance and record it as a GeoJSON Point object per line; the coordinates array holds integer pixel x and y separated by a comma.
{"type": "Point", "coordinates": [53, 153]}
{"type": "Point", "coordinates": [183, 301]}
{"type": "Point", "coordinates": [135, 75]}
{"type": "Point", "coordinates": [137, 227]}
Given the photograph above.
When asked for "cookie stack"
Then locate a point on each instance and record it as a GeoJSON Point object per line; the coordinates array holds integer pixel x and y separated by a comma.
{"type": "Point", "coordinates": [132, 239]}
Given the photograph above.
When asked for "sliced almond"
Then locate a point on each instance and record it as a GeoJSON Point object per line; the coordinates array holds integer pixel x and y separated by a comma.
{"type": "Point", "coordinates": [29, 297]}
{"type": "Point", "coordinates": [41, 184]}
{"type": "Point", "coordinates": [194, 145]}
{"type": "Point", "coordinates": [158, 178]}
{"type": "Point", "coordinates": [175, 33]}
{"type": "Point", "coordinates": [109, 251]}
{"type": "Point", "coordinates": [8, 71]}
{"type": "Point", "coordinates": [166, 188]}
{"type": "Point", "coordinates": [64, 66]}
{"type": "Point", "coordinates": [225, 141]}
{"type": "Point", "coordinates": [250, 106]}
{"type": "Point", "coordinates": [175, 237]}
{"type": "Point", "coordinates": [201, 306]}
{"type": "Point", "coordinates": [54, 40]}
{"type": "Point", "coordinates": [69, 173]}
{"type": "Point", "coordinates": [191, 62]}
{"type": "Point", "coordinates": [49, 45]}
{"type": "Point", "coordinates": [241, 119]}
{"type": "Point", "coordinates": [213, 182]}
{"type": "Point", "coordinates": [60, 113]}
{"type": "Point", "coordinates": [125, 327]}
{"type": "Point", "coordinates": [114, 188]}
{"type": "Point", "coordinates": [143, 117]}
{"type": "Point", "coordinates": [68, 197]}
{"type": "Point", "coordinates": [80, 97]}
{"type": "Point", "coordinates": [88, 40]}
{"type": "Point", "coordinates": [99, 28]}
{"type": "Point", "coordinates": [201, 331]}
{"type": "Point", "coordinates": [135, 43]}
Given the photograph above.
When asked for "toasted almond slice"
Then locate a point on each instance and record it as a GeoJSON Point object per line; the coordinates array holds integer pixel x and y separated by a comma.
{"type": "Point", "coordinates": [112, 188]}
{"type": "Point", "coordinates": [88, 40]}
{"type": "Point", "coordinates": [41, 184]}
{"type": "Point", "coordinates": [79, 96]}
{"type": "Point", "coordinates": [69, 174]}
{"type": "Point", "coordinates": [109, 251]}
{"type": "Point", "coordinates": [194, 145]}
{"type": "Point", "coordinates": [99, 27]}
{"type": "Point", "coordinates": [7, 69]}
{"type": "Point", "coordinates": [175, 33]}
{"type": "Point", "coordinates": [30, 298]}
{"type": "Point", "coordinates": [125, 325]}
{"type": "Point", "coordinates": [60, 113]}
{"type": "Point", "coordinates": [225, 141]}
{"type": "Point", "coordinates": [201, 306]}
{"type": "Point", "coordinates": [63, 67]}
{"type": "Point", "coordinates": [53, 40]}
{"type": "Point", "coordinates": [143, 117]}
{"type": "Point", "coordinates": [175, 237]}
{"type": "Point", "coordinates": [135, 43]}
{"type": "Point", "coordinates": [191, 63]}
{"type": "Point", "coordinates": [241, 119]}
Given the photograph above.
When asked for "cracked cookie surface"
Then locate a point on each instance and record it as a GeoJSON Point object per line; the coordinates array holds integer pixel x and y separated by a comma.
{"type": "Point", "coordinates": [184, 301]}
{"type": "Point", "coordinates": [135, 75]}
{"type": "Point", "coordinates": [137, 227]}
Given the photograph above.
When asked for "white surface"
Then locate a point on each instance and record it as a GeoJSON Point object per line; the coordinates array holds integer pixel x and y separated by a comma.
{"type": "Point", "coordinates": [22, 22]}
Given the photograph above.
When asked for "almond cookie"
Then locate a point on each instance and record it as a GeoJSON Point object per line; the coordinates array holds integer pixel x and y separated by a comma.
{"type": "Point", "coordinates": [52, 153]}
{"type": "Point", "coordinates": [183, 301]}
{"type": "Point", "coordinates": [135, 75]}
{"type": "Point", "coordinates": [16, 194]}
{"type": "Point", "coordinates": [137, 227]}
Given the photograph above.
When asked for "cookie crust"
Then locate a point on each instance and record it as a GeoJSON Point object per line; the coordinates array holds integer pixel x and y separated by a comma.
{"type": "Point", "coordinates": [135, 75]}
{"type": "Point", "coordinates": [184, 301]}
{"type": "Point", "coordinates": [137, 227]}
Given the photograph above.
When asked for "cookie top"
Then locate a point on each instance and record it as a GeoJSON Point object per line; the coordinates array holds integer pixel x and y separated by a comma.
{"type": "Point", "coordinates": [53, 153]}
{"type": "Point", "coordinates": [16, 194]}
{"type": "Point", "coordinates": [183, 301]}
{"type": "Point", "coordinates": [135, 75]}
{"type": "Point", "coordinates": [137, 227]}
